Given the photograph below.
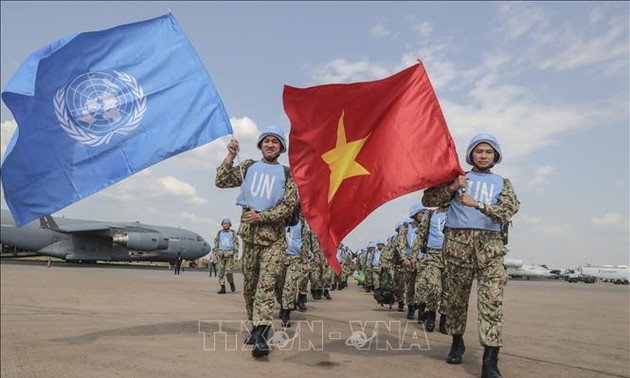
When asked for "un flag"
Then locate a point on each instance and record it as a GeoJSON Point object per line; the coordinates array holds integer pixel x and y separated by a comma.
{"type": "Point", "coordinates": [97, 107]}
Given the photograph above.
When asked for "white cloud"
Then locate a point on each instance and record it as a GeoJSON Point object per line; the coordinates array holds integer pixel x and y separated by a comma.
{"type": "Point", "coordinates": [7, 128]}
{"type": "Point", "coordinates": [525, 219]}
{"type": "Point", "coordinates": [381, 30]}
{"type": "Point", "coordinates": [343, 71]}
{"type": "Point", "coordinates": [596, 15]}
{"type": "Point", "coordinates": [610, 220]}
{"type": "Point", "coordinates": [522, 121]}
{"type": "Point", "coordinates": [424, 29]}
{"type": "Point", "coordinates": [520, 18]}
{"type": "Point", "coordinates": [575, 46]}
{"type": "Point", "coordinates": [177, 187]}
{"type": "Point", "coordinates": [540, 176]}
{"type": "Point", "coordinates": [555, 229]}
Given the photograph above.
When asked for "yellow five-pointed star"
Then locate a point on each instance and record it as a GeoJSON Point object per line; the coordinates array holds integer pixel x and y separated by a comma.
{"type": "Point", "coordinates": [341, 160]}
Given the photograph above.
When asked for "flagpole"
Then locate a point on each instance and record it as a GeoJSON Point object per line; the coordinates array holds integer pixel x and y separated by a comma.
{"type": "Point", "coordinates": [240, 168]}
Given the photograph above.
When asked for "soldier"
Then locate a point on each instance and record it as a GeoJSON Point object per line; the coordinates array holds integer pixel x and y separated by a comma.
{"type": "Point", "coordinates": [311, 243]}
{"type": "Point", "coordinates": [480, 203]}
{"type": "Point", "coordinates": [178, 262]}
{"type": "Point", "coordinates": [407, 235]}
{"type": "Point", "coordinates": [417, 259]}
{"type": "Point", "coordinates": [226, 246]}
{"type": "Point", "coordinates": [397, 269]}
{"type": "Point", "coordinates": [376, 264]}
{"type": "Point", "coordinates": [316, 274]}
{"type": "Point", "coordinates": [430, 282]}
{"type": "Point", "coordinates": [347, 267]}
{"type": "Point", "coordinates": [368, 268]}
{"type": "Point", "coordinates": [295, 264]}
{"type": "Point", "coordinates": [268, 197]}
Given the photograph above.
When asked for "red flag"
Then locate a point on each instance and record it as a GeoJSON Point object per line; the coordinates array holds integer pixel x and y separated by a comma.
{"type": "Point", "coordinates": [353, 147]}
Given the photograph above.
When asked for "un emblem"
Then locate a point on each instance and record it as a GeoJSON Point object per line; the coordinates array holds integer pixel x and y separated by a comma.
{"type": "Point", "coordinates": [97, 105]}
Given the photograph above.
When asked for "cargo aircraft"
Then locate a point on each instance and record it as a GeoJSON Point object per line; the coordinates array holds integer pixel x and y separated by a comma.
{"type": "Point", "coordinates": [75, 240]}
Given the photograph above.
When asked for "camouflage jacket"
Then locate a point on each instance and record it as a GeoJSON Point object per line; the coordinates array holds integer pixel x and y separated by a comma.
{"type": "Point", "coordinates": [314, 248]}
{"type": "Point", "coordinates": [502, 212]}
{"type": "Point", "coordinates": [387, 257]}
{"type": "Point", "coordinates": [274, 220]}
{"type": "Point", "coordinates": [422, 232]}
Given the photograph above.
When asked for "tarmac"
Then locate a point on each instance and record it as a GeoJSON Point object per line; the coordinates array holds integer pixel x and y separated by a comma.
{"type": "Point", "coordinates": [100, 321]}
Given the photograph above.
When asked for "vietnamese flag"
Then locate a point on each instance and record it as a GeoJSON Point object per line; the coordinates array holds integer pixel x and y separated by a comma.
{"type": "Point", "coordinates": [353, 147]}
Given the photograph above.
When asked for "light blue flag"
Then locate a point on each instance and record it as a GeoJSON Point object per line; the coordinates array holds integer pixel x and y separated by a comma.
{"type": "Point", "coordinates": [97, 107]}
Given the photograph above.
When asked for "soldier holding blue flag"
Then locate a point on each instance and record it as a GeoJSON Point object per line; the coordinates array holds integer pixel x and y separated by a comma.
{"type": "Point", "coordinates": [268, 197]}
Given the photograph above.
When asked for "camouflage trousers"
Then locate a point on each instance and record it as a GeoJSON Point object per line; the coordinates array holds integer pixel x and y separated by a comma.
{"type": "Point", "coordinates": [369, 276]}
{"type": "Point", "coordinates": [288, 281]}
{"type": "Point", "coordinates": [419, 294]}
{"type": "Point", "coordinates": [399, 282]}
{"type": "Point", "coordinates": [376, 276]}
{"type": "Point", "coordinates": [409, 282]}
{"type": "Point", "coordinates": [430, 281]}
{"type": "Point", "coordinates": [346, 271]}
{"type": "Point", "coordinates": [303, 280]}
{"type": "Point", "coordinates": [328, 275]}
{"type": "Point", "coordinates": [315, 276]}
{"type": "Point", "coordinates": [225, 265]}
{"type": "Point", "coordinates": [261, 267]}
{"type": "Point", "coordinates": [470, 253]}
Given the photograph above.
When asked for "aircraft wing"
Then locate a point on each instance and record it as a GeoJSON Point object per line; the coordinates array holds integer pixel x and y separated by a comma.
{"type": "Point", "coordinates": [92, 227]}
{"type": "Point", "coordinates": [97, 227]}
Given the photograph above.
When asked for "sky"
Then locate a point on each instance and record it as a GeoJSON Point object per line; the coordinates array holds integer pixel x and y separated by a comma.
{"type": "Point", "coordinates": [549, 79]}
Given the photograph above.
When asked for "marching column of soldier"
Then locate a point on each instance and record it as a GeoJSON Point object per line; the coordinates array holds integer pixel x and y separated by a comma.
{"type": "Point", "coordinates": [427, 264]}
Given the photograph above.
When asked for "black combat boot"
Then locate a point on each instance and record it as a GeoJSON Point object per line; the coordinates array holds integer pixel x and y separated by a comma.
{"type": "Point", "coordinates": [286, 319]}
{"type": "Point", "coordinates": [253, 336]}
{"type": "Point", "coordinates": [489, 368]}
{"type": "Point", "coordinates": [443, 324]}
{"type": "Point", "coordinates": [301, 302]}
{"type": "Point", "coordinates": [327, 294]}
{"type": "Point", "coordinates": [420, 309]}
{"type": "Point", "coordinates": [261, 347]}
{"type": "Point", "coordinates": [401, 306]}
{"type": "Point", "coordinates": [222, 291]}
{"type": "Point", "coordinates": [429, 320]}
{"type": "Point", "coordinates": [232, 287]}
{"type": "Point", "coordinates": [411, 311]}
{"type": "Point", "coordinates": [457, 350]}
{"type": "Point", "coordinates": [317, 294]}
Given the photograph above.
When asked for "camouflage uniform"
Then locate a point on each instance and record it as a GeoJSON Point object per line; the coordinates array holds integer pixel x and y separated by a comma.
{"type": "Point", "coordinates": [368, 269]}
{"type": "Point", "coordinates": [316, 270]}
{"type": "Point", "coordinates": [430, 283]}
{"type": "Point", "coordinates": [470, 252]}
{"type": "Point", "coordinates": [328, 275]}
{"type": "Point", "coordinates": [225, 263]}
{"type": "Point", "coordinates": [292, 273]}
{"type": "Point", "coordinates": [264, 245]}
{"type": "Point", "coordinates": [418, 246]}
{"type": "Point", "coordinates": [347, 267]}
{"type": "Point", "coordinates": [388, 257]}
{"type": "Point", "coordinates": [409, 272]}
{"type": "Point", "coordinates": [314, 249]}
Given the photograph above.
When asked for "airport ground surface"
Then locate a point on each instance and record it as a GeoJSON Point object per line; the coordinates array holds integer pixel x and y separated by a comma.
{"type": "Point", "coordinates": [104, 321]}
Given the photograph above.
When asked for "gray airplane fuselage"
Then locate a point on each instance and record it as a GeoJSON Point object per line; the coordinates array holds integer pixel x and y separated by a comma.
{"type": "Point", "coordinates": [83, 240]}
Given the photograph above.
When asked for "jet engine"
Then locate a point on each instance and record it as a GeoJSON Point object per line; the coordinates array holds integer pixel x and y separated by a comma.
{"type": "Point", "coordinates": [141, 241]}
